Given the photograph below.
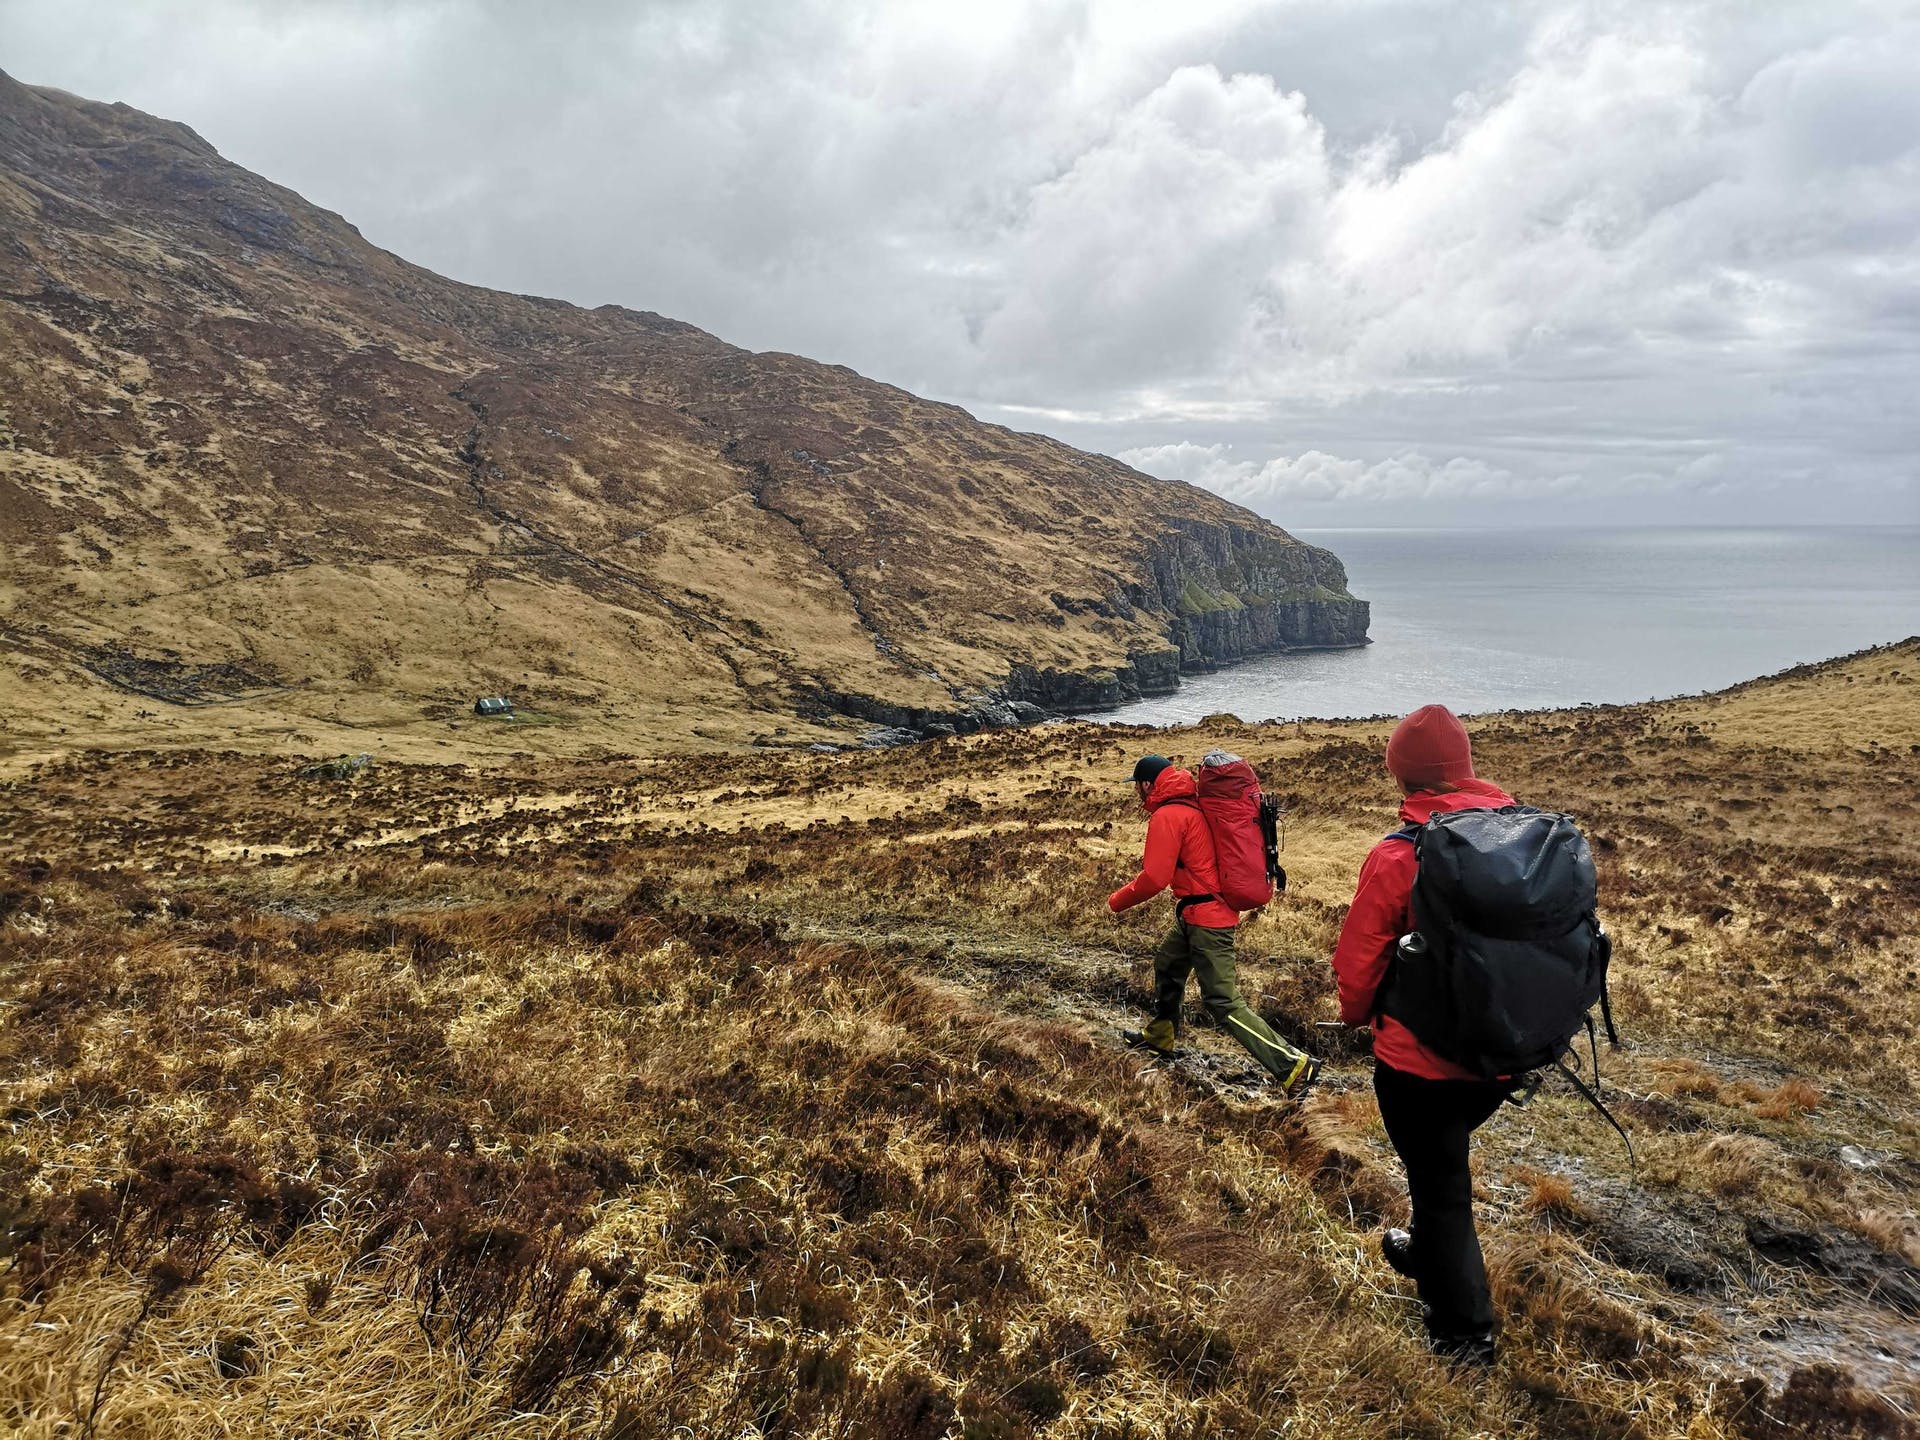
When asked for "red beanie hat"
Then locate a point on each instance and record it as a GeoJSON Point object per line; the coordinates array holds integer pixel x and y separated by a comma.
{"type": "Point", "coordinates": [1430, 746]}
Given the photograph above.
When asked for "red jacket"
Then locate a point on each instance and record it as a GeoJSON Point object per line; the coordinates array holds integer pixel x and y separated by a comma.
{"type": "Point", "coordinates": [1381, 913]}
{"type": "Point", "coordinates": [1179, 853]}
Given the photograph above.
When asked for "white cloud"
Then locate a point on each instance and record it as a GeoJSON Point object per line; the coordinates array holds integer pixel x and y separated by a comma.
{"type": "Point", "coordinates": [1315, 477]}
{"type": "Point", "coordinates": [1408, 482]}
{"type": "Point", "coordinates": [1610, 197]}
{"type": "Point", "coordinates": [1544, 239]}
{"type": "Point", "coordinates": [1152, 254]}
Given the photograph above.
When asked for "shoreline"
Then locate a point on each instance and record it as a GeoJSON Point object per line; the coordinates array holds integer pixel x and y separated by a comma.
{"type": "Point", "coordinates": [1800, 669]}
{"type": "Point", "coordinates": [1213, 668]}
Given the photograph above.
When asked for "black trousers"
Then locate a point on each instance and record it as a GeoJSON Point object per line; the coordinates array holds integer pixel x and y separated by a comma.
{"type": "Point", "coordinates": [1429, 1123]}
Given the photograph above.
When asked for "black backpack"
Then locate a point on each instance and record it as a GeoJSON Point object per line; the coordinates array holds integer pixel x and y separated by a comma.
{"type": "Point", "coordinates": [1507, 957]}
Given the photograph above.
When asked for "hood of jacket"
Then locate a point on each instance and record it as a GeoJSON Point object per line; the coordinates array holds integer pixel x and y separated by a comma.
{"type": "Point", "coordinates": [1173, 784]}
{"type": "Point", "coordinates": [1422, 805]}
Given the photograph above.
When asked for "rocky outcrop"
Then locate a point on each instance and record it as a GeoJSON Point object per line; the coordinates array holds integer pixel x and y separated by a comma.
{"type": "Point", "coordinates": [1224, 593]}
{"type": "Point", "coordinates": [902, 724]}
{"type": "Point", "coordinates": [1148, 672]}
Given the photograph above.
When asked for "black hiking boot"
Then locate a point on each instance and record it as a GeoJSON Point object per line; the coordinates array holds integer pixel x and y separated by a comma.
{"type": "Point", "coordinates": [1397, 1248]}
{"type": "Point", "coordinates": [1474, 1349]}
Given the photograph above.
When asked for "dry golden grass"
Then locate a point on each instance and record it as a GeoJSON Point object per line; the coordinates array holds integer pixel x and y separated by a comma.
{"type": "Point", "coordinates": [1868, 702]}
{"type": "Point", "coordinates": [1552, 1194]}
{"type": "Point", "coordinates": [777, 1095]}
{"type": "Point", "coordinates": [1792, 1098]}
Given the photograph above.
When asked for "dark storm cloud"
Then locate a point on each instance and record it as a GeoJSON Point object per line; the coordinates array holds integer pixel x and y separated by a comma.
{"type": "Point", "coordinates": [1345, 260]}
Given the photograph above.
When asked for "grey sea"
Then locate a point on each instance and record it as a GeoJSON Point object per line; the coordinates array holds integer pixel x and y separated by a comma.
{"type": "Point", "coordinates": [1484, 620]}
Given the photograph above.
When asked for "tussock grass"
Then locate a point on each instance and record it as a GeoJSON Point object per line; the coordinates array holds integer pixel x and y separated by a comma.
{"type": "Point", "coordinates": [689, 1176]}
{"type": "Point", "coordinates": [776, 1095]}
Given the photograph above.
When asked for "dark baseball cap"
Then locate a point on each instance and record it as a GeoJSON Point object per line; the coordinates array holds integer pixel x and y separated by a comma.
{"type": "Point", "coordinates": [1148, 769]}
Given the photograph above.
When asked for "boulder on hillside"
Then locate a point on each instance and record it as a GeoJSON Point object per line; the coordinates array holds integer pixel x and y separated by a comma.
{"type": "Point", "coordinates": [341, 768]}
{"type": "Point", "coordinates": [889, 736]}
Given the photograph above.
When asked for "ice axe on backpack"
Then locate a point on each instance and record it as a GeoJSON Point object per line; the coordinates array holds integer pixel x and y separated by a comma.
{"type": "Point", "coordinates": [1273, 839]}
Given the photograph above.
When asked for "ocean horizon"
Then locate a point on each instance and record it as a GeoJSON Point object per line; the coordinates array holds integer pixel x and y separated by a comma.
{"type": "Point", "coordinates": [1551, 617]}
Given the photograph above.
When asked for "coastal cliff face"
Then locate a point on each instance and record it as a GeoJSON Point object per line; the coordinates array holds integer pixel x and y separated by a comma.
{"type": "Point", "coordinates": [1236, 591]}
{"type": "Point", "coordinates": [1225, 592]}
{"type": "Point", "coordinates": [260, 480]}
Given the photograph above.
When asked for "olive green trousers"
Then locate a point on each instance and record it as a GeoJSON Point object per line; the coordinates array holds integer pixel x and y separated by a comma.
{"type": "Point", "coordinates": [1207, 953]}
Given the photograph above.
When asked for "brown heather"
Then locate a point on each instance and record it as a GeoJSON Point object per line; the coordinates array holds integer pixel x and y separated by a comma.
{"type": "Point", "coordinates": [776, 1095]}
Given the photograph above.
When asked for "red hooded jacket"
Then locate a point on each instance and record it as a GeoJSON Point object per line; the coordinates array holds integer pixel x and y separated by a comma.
{"type": "Point", "coordinates": [1179, 853]}
{"type": "Point", "coordinates": [1381, 913]}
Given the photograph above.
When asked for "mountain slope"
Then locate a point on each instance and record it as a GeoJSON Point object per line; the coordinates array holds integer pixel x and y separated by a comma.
{"type": "Point", "coordinates": [248, 458]}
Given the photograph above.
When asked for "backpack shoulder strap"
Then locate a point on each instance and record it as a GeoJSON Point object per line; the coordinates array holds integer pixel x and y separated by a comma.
{"type": "Point", "coordinates": [1185, 802]}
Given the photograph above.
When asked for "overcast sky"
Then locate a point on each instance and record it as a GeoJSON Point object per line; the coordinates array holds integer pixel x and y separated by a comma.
{"type": "Point", "coordinates": [1350, 262]}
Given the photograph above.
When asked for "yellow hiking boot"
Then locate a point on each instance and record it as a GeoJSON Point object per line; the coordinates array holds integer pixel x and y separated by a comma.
{"type": "Point", "coordinates": [1300, 1079]}
{"type": "Point", "coordinates": [1158, 1037]}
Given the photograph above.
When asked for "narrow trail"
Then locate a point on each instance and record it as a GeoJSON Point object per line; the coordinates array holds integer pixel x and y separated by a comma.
{"type": "Point", "coordinates": [1701, 1273]}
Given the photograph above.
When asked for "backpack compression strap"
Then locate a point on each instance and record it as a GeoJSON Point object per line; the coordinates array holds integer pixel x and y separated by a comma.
{"type": "Point", "coordinates": [1592, 1096]}
{"type": "Point", "coordinates": [1606, 999]}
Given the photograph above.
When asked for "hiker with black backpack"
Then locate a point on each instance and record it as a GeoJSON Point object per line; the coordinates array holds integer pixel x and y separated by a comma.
{"type": "Point", "coordinates": [1211, 882]}
{"type": "Point", "coordinates": [1473, 950]}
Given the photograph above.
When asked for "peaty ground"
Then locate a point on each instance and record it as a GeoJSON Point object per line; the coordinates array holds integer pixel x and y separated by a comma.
{"type": "Point", "coordinates": [780, 1094]}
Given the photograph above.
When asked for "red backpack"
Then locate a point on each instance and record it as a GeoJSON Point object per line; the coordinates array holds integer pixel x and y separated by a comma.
{"type": "Point", "coordinates": [1245, 829]}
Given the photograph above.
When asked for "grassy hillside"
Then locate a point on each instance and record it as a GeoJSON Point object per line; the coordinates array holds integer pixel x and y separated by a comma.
{"type": "Point", "coordinates": [778, 1095]}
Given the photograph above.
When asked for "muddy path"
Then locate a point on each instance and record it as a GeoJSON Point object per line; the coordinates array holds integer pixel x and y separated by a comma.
{"type": "Point", "coordinates": [1753, 1287]}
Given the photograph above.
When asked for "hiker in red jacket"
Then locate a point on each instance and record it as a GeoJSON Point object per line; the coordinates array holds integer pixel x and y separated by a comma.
{"type": "Point", "coordinates": [1179, 855]}
{"type": "Point", "coordinates": [1430, 1106]}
